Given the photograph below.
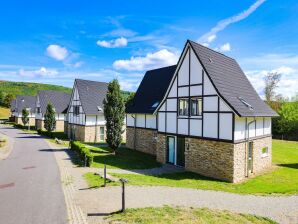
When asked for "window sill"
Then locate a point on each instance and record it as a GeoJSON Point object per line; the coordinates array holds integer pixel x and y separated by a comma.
{"type": "Point", "coordinates": [264, 155]}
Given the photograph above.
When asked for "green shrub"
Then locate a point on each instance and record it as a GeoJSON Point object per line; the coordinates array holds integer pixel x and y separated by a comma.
{"type": "Point", "coordinates": [59, 135]}
{"type": "Point", "coordinates": [82, 151]}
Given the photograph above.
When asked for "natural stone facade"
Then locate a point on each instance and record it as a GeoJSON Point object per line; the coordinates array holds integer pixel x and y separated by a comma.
{"type": "Point", "coordinates": [84, 133]}
{"type": "Point", "coordinates": [144, 140]}
{"type": "Point", "coordinates": [39, 124]}
{"type": "Point", "coordinates": [18, 120]}
{"type": "Point", "coordinates": [221, 160]}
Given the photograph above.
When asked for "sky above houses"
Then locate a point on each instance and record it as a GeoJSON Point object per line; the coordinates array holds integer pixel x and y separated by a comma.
{"type": "Point", "coordinates": [57, 41]}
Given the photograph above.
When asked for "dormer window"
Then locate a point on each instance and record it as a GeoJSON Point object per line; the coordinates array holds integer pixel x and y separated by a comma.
{"type": "Point", "coordinates": [99, 109]}
{"type": "Point", "coordinates": [38, 110]}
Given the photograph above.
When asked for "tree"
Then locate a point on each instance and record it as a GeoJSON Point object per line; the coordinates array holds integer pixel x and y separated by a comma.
{"type": "Point", "coordinates": [129, 99]}
{"type": "Point", "coordinates": [49, 118]}
{"type": "Point", "coordinates": [2, 95]}
{"type": "Point", "coordinates": [114, 113]}
{"type": "Point", "coordinates": [271, 83]}
{"type": "Point", "coordinates": [25, 117]}
{"type": "Point", "coordinates": [7, 100]}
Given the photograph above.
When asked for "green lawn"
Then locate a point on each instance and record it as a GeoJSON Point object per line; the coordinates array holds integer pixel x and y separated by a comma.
{"type": "Point", "coordinates": [94, 180]}
{"type": "Point", "coordinates": [167, 215]}
{"type": "Point", "coordinates": [282, 180]}
{"type": "Point", "coordinates": [124, 159]}
{"type": "Point", "coordinates": [4, 113]}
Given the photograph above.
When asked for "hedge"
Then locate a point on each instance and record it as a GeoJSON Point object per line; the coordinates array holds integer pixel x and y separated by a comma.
{"type": "Point", "coordinates": [82, 151]}
{"type": "Point", "coordinates": [59, 135]}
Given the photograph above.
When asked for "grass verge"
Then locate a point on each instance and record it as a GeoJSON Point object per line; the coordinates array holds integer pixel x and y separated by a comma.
{"type": "Point", "coordinates": [95, 181]}
{"type": "Point", "coordinates": [168, 215]}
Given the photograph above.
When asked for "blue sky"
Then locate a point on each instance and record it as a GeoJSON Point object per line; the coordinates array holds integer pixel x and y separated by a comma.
{"type": "Point", "coordinates": [58, 41]}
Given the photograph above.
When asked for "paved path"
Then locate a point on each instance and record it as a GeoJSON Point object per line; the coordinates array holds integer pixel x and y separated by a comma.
{"type": "Point", "coordinates": [30, 186]}
{"type": "Point", "coordinates": [98, 203]}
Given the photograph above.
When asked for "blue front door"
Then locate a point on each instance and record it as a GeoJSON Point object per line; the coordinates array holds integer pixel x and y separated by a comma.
{"type": "Point", "coordinates": [171, 149]}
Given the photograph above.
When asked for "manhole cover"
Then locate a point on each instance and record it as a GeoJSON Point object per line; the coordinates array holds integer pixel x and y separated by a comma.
{"type": "Point", "coordinates": [6, 185]}
{"type": "Point", "coordinates": [28, 167]}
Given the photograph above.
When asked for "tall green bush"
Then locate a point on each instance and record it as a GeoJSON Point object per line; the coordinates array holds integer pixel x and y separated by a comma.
{"type": "Point", "coordinates": [82, 151]}
{"type": "Point", "coordinates": [49, 118]}
{"type": "Point", "coordinates": [25, 117]}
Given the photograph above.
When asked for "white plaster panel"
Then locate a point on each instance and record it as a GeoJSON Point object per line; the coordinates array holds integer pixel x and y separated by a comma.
{"type": "Point", "coordinates": [259, 126]}
{"type": "Point", "coordinates": [183, 73]}
{"type": "Point", "coordinates": [196, 90]}
{"type": "Point", "coordinates": [210, 125]}
{"type": "Point", "coordinates": [130, 120]}
{"type": "Point", "coordinates": [208, 87]}
{"type": "Point", "coordinates": [252, 127]}
{"type": "Point", "coordinates": [225, 126]}
{"type": "Point", "coordinates": [183, 126]}
{"type": "Point", "coordinates": [195, 127]}
{"type": "Point", "coordinates": [171, 104]}
{"type": "Point", "coordinates": [210, 103]}
{"type": "Point", "coordinates": [140, 121]}
{"type": "Point", "coordinates": [173, 90]}
{"type": "Point", "coordinates": [183, 91]}
{"type": "Point", "coordinates": [267, 126]}
{"type": "Point", "coordinates": [171, 122]}
{"type": "Point", "coordinates": [161, 122]}
{"type": "Point", "coordinates": [150, 121]}
{"type": "Point", "coordinates": [195, 69]}
{"type": "Point", "coordinates": [223, 106]}
{"type": "Point", "coordinates": [162, 108]}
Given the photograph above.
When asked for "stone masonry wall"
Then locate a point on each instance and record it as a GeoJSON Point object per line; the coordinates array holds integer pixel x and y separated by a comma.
{"type": "Point", "coordinates": [145, 140]}
{"type": "Point", "coordinates": [260, 162]}
{"type": "Point", "coordinates": [209, 158]}
{"type": "Point", "coordinates": [161, 149]}
{"type": "Point", "coordinates": [39, 124]}
{"type": "Point", "coordinates": [31, 121]}
{"type": "Point", "coordinates": [59, 126]}
{"type": "Point", "coordinates": [65, 127]}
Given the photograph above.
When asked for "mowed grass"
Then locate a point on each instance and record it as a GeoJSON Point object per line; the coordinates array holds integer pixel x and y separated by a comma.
{"type": "Point", "coordinates": [282, 179]}
{"type": "Point", "coordinates": [4, 113]}
{"type": "Point", "coordinates": [167, 215]}
{"type": "Point", "coordinates": [123, 159]}
{"type": "Point", "coordinates": [95, 181]}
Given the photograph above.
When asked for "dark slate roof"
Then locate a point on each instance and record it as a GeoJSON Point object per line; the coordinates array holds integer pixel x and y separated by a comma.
{"type": "Point", "coordinates": [13, 105]}
{"type": "Point", "coordinates": [91, 95]}
{"type": "Point", "coordinates": [231, 83]}
{"type": "Point", "coordinates": [25, 102]}
{"type": "Point", "coordinates": [59, 100]}
{"type": "Point", "coordinates": [151, 90]}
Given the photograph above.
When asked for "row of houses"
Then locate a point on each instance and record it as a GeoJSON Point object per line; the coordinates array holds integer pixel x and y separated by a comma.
{"type": "Point", "coordinates": [79, 115]}
{"type": "Point", "coordinates": [202, 114]}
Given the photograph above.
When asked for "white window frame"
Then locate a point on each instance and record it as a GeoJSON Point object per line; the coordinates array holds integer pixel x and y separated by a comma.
{"type": "Point", "coordinates": [199, 106]}
{"type": "Point", "coordinates": [265, 154]}
{"type": "Point", "coordinates": [185, 109]}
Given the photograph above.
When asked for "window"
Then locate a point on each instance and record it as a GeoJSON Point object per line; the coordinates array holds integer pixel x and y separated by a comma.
{"type": "Point", "coordinates": [38, 110]}
{"type": "Point", "coordinates": [196, 107]}
{"type": "Point", "coordinates": [183, 107]}
{"type": "Point", "coordinates": [76, 110]}
{"type": "Point", "coordinates": [265, 152]}
{"type": "Point", "coordinates": [102, 133]}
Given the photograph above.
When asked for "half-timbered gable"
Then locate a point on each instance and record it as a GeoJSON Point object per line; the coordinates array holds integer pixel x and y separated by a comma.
{"type": "Point", "coordinates": [59, 100]}
{"type": "Point", "coordinates": [85, 112]}
{"type": "Point", "coordinates": [210, 119]}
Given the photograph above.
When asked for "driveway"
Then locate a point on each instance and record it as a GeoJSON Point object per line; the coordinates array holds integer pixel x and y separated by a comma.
{"type": "Point", "coordinates": [30, 186]}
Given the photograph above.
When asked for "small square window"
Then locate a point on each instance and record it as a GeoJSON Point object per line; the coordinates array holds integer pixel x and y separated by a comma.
{"type": "Point", "coordinates": [76, 110]}
{"type": "Point", "coordinates": [265, 152]}
{"type": "Point", "coordinates": [183, 107]}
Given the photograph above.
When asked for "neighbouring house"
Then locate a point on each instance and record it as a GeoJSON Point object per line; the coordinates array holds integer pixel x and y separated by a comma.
{"type": "Point", "coordinates": [85, 116]}
{"type": "Point", "coordinates": [12, 117]}
{"type": "Point", "coordinates": [202, 114]}
{"type": "Point", "coordinates": [59, 100]}
{"type": "Point", "coordinates": [24, 102]}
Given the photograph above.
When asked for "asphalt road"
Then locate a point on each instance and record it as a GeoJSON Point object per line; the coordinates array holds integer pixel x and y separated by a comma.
{"type": "Point", "coordinates": [30, 186]}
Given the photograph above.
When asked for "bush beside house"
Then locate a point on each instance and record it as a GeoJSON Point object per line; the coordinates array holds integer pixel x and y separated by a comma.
{"type": "Point", "coordinates": [82, 151]}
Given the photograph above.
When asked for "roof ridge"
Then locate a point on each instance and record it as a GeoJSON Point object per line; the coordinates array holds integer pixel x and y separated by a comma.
{"type": "Point", "coordinates": [161, 68]}
{"type": "Point", "coordinates": [191, 41]}
{"type": "Point", "coordinates": [90, 81]}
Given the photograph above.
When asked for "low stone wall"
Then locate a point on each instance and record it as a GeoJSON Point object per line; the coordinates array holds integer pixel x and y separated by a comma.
{"type": "Point", "coordinates": [144, 140]}
{"type": "Point", "coordinates": [260, 161]}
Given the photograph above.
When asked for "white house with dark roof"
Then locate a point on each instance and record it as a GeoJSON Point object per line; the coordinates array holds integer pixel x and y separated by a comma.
{"type": "Point", "coordinates": [20, 103]}
{"type": "Point", "coordinates": [85, 116]}
{"type": "Point", "coordinates": [209, 118]}
{"type": "Point", "coordinates": [59, 100]}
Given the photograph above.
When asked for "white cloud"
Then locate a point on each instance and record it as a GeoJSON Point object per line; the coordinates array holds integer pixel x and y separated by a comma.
{"type": "Point", "coordinates": [119, 42]}
{"type": "Point", "coordinates": [42, 72]}
{"type": "Point", "coordinates": [57, 52]}
{"type": "Point", "coordinates": [78, 64]}
{"type": "Point", "coordinates": [222, 24]}
{"type": "Point", "coordinates": [226, 47]}
{"type": "Point", "coordinates": [288, 83]}
{"type": "Point", "coordinates": [157, 59]}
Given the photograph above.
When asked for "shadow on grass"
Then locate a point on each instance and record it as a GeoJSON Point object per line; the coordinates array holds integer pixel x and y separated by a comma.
{"type": "Point", "coordinates": [290, 165]}
{"type": "Point", "coordinates": [124, 159]}
{"type": "Point", "coordinates": [104, 214]}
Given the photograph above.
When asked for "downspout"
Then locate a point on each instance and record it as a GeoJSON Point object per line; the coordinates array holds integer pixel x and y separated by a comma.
{"type": "Point", "coordinates": [246, 143]}
{"type": "Point", "coordinates": [135, 131]}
